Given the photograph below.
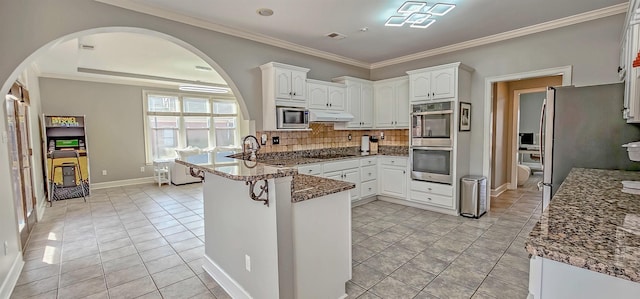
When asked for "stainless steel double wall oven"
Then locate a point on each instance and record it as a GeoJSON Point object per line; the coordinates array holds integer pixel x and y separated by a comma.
{"type": "Point", "coordinates": [432, 131]}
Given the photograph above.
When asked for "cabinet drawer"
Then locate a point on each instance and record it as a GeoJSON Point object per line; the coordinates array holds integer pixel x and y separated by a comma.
{"type": "Point", "coordinates": [433, 188]}
{"type": "Point", "coordinates": [432, 199]}
{"type": "Point", "coordinates": [394, 161]}
{"type": "Point", "coordinates": [341, 165]}
{"type": "Point", "coordinates": [368, 161]}
{"type": "Point", "coordinates": [368, 173]}
{"type": "Point", "coordinates": [368, 189]}
{"type": "Point", "coordinates": [314, 169]}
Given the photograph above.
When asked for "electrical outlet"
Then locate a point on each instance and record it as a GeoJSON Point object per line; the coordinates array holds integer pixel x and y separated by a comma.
{"type": "Point", "coordinates": [104, 172]}
{"type": "Point", "coordinates": [6, 248]}
{"type": "Point", "coordinates": [247, 262]}
{"type": "Point", "coordinates": [349, 137]}
{"type": "Point", "coordinates": [141, 168]}
{"type": "Point", "coordinates": [263, 140]}
{"type": "Point", "coordinates": [275, 140]}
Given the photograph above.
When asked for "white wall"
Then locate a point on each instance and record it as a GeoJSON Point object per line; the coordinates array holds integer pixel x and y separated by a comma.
{"type": "Point", "coordinates": [590, 47]}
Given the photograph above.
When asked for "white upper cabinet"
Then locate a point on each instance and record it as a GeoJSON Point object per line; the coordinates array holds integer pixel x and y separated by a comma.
{"type": "Point", "coordinates": [439, 83]}
{"type": "Point", "coordinates": [630, 47]}
{"type": "Point", "coordinates": [326, 95]}
{"type": "Point", "coordinates": [284, 84]}
{"type": "Point", "coordinates": [443, 83]}
{"type": "Point", "coordinates": [392, 103]}
{"type": "Point", "coordinates": [358, 102]}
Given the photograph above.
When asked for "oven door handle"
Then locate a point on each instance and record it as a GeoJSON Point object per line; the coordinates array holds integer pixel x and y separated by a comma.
{"type": "Point", "coordinates": [432, 112]}
{"type": "Point", "coordinates": [432, 148]}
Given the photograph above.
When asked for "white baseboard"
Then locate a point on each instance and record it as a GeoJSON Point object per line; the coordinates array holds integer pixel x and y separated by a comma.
{"type": "Point", "coordinates": [122, 183]}
{"type": "Point", "coordinates": [497, 191]}
{"type": "Point", "coordinates": [12, 277]}
{"type": "Point", "coordinates": [232, 287]}
{"type": "Point", "coordinates": [41, 208]}
{"type": "Point", "coordinates": [360, 202]}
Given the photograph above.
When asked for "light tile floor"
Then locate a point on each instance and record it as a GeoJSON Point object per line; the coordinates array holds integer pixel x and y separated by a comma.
{"type": "Point", "coordinates": [147, 242]}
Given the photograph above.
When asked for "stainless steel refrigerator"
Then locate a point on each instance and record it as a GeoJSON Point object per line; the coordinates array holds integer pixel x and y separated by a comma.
{"type": "Point", "coordinates": [583, 127]}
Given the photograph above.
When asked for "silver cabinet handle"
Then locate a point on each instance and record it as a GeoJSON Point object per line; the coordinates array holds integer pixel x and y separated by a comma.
{"type": "Point", "coordinates": [290, 93]}
{"type": "Point", "coordinates": [310, 170]}
{"type": "Point", "coordinates": [369, 173]}
{"type": "Point", "coordinates": [369, 188]}
{"type": "Point", "coordinates": [294, 93]}
{"type": "Point", "coordinates": [393, 161]}
{"type": "Point", "coordinates": [429, 189]}
{"type": "Point", "coordinates": [404, 172]}
{"type": "Point", "coordinates": [330, 105]}
{"type": "Point", "coordinates": [428, 198]}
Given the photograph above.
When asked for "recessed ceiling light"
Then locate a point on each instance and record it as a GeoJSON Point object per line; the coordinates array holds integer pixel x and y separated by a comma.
{"type": "Point", "coordinates": [364, 29]}
{"type": "Point", "coordinates": [265, 12]}
{"type": "Point", "coordinates": [200, 88]}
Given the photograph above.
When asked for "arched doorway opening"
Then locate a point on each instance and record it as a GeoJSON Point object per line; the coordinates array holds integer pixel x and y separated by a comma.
{"type": "Point", "coordinates": [23, 210]}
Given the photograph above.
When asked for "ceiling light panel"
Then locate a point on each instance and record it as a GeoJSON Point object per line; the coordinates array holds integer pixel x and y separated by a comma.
{"type": "Point", "coordinates": [199, 88]}
{"type": "Point", "coordinates": [418, 14]}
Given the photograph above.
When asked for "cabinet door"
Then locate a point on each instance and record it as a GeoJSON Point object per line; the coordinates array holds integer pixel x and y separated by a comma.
{"type": "Point", "coordinates": [336, 98]}
{"type": "Point", "coordinates": [420, 86]}
{"type": "Point", "coordinates": [318, 97]}
{"type": "Point", "coordinates": [283, 84]}
{"type": "Point", "coordinates": [366, 102]}
{"type": "Point", "coordinates": [384, 101]}
{"type": "Point", "coordinates": [443, 83]}
{"type": "Point", "coordinates": [354, 104]}
{"type": "Point", "coordinates": [402, 108]}
{"type": "Point", "coordinates": [393, 181]}
{"type": "Point", "coordinates": [353, 176]}
{"type": "Point", "coordinates": [334, 175]}
{"type": "Point", "coordinates": [298, 85]}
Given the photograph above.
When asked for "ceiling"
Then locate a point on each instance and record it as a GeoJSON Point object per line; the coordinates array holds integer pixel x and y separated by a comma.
{"type": "Point", "coordinates": [300, 25]}
{"type": "Point", "coordinates": [305, 22]}
{"type": "Point", "coordinates": [128, 57]}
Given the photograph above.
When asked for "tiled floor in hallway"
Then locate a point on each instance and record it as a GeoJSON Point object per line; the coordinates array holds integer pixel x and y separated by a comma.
{"type": "Point", "coordinates": [147, 242]}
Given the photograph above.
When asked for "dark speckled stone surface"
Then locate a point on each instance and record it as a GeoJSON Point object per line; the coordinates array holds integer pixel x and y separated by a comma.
{"type": "Point", "coordinates": [590, 223]}
{"type": "Point", "coordinates": [243, 170]}
{"type": "Point", "coordinates": [306, 187]}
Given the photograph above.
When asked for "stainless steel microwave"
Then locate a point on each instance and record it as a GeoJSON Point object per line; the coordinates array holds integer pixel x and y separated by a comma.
{"type": "Point", "coordinates": [432, 164]}
{"type": "Point", "coordinates": [292, 118]}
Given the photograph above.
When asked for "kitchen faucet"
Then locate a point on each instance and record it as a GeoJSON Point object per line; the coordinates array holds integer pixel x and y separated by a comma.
{"type": "Point", "coordinates": [246, 144]}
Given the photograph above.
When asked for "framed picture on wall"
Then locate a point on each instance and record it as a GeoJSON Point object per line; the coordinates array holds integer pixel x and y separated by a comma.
{"type": "Point", "coordinates": [465, 117]}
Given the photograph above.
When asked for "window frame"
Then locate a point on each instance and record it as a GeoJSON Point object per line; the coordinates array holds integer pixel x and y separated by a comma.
{"type": "Point", "coordinates": [182, 130]}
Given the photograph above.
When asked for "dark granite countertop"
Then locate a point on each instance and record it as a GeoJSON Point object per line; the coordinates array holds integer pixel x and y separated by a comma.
{"type": "Point", "coordinates": [304, 187]}
{"type": "Point", "coordinates": [241, 170]}
{"type": "Point", "coordinates": [592, 224]}
{"type": "Point", "coordinates": [307, 187]}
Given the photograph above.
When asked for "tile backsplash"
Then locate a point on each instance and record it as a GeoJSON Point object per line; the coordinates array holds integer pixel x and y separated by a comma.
{"type": "Point", "coordinates": [324, 136]}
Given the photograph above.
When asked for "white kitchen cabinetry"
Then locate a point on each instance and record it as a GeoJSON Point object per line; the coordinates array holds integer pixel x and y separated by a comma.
{"type": "Point", "coordinates": [282, 85]}
{"type": "Point", "coordinates": [392, 103]}
{"type": "Point", "coordinates": [629, 74]}
{"type": "Point", "coordinates": [368, 177]}
{"type": "Point", "coordinates": [311, 169]}
{"type": "Point", "coordinates": [359, 102]}
{"type": "Point", "coordinates": [326, 95]}
{"type": "Point", "coordinates": [393, 176]}
{"type": "Point", "coordinates": [439, 83]}
{"type": "Point", "coordinates": [346, 170]}
{"type": "Point", "coordinates": [439, 195]}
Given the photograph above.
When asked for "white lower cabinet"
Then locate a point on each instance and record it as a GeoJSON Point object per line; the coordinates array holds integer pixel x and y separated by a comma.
{"type": "Point", "coordinates": [346, 170]}
{"type": "Point", "coordinates": [435, 194]}
{"type": "Point", "coordinates": [393, 176]}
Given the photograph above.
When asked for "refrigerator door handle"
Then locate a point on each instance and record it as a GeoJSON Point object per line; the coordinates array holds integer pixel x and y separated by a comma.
{"type": "Point", "coordinates": [540, 134]}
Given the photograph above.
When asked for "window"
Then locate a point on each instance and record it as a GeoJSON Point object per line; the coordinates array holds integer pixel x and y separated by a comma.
{"type": "Point", "coordinates": [174, 121]}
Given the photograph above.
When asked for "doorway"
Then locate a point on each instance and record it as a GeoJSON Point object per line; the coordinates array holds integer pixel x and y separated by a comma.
{"type": "Point", "coordinates": [499, 155]}
{"type": "Point", "coordinates": [20, 151]}
{"type": "Point", "coordinates": [526, 166]}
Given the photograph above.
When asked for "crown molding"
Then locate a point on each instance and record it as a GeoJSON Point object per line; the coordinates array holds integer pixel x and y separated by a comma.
{"type": "Point", "coordinates": [559, 23]}
{"type": "Point", "coordinates": [161, 13]}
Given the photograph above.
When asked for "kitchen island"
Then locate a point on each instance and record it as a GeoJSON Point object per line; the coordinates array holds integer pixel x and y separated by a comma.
{"type": "Point", "coordinates": [587, 242]}
{"type": "Point", "coordinates": [273, 233]}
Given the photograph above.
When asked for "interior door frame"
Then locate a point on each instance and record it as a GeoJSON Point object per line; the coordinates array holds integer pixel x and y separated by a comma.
{"type": "Point", "coordinates": [515, 129]}
{"type": "Point", "coordinates": [564, 71]}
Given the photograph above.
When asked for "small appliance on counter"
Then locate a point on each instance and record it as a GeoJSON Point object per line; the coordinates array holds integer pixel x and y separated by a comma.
{"type": "Point", "coordinates": [632, 187]}
{"type": "Point", "coordinates": [373, 145]}
{"type": "Point", "coordinates": [364, 145]}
